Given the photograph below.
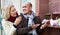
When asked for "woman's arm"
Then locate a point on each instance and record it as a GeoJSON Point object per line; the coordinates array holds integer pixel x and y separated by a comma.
{"type": "Point", "coordinates": [8, 27]}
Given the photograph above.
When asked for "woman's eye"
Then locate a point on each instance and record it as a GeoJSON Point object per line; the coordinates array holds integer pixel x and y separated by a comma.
{"type": "Point", "coordinates": [14, 10]}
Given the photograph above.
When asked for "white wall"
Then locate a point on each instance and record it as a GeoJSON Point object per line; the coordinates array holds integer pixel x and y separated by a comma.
{"type": "Point", "coordinates": [32, 1]}
{"type": "Point", "coordinates": [17, 3]}
{"type": "Point", "coordinates": [7, 2]}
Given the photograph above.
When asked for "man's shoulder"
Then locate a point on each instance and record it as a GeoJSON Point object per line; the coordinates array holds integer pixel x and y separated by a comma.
{"type": "Point", "coordinates": [37, 17]}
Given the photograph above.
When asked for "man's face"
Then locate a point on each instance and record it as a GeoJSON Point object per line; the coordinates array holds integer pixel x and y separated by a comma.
{"type": "Point", "coordinates": [26, 8]}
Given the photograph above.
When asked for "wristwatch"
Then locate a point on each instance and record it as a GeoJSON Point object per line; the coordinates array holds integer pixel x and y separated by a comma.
{"type": "Point", "coordinates": [15, 26]}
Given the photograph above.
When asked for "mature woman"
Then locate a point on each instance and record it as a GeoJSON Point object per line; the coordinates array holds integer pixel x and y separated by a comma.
{"type": "Point", "coordinates": [9, 20]}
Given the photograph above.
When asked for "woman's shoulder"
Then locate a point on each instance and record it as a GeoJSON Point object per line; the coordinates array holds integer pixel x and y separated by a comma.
{"type": "Point", "coordinates": [5, 22]}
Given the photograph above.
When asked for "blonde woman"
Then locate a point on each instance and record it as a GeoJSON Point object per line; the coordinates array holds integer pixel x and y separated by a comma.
{"type": "Point", "coordinates": [9, 20]}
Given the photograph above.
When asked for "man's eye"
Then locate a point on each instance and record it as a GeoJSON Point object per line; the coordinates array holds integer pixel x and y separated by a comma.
{"type": "Point", "coordinates": [24, 7]}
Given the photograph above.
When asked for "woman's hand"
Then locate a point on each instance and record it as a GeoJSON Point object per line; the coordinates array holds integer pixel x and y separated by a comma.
{"type": "Point", "coordinates": [18, 20]}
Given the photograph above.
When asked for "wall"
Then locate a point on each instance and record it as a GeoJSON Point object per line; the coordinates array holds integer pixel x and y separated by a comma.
{"type": "Point", "coordinates": [42, 7]}
{"type": "Point", "coordinates": [31, 1]}
{"type": "Point", "coordinates": [54, 6]}
{"type": "Point", "coordinates": [16, 3]}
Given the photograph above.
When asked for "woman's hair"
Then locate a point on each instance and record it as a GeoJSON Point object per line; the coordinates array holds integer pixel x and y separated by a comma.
{"type": "Point", "coordinates": [6, 12]}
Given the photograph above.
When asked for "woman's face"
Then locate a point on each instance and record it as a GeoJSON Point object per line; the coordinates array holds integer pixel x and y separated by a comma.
{"type": "Point", "coordinates": [13, 12]}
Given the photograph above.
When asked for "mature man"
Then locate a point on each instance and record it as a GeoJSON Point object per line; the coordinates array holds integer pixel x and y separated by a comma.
{"type": "Point", "coordinates": [30, 22]}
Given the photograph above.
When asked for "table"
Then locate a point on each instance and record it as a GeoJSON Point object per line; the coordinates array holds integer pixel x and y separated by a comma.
{"type": "Point", "coordinates": [52, 30]}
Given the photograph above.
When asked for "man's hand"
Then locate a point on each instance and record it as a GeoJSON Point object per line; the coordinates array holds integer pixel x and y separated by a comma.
{"type": "Point", "coordinates": [18, 20]}
{"type": "Point", "coordinates": [45, 25]}
{"type": "Point", "coordinates": [35, 26]}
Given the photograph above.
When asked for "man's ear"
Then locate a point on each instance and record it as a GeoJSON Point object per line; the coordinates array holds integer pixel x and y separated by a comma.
{"type": "Point", "coordinates": [31, 8]}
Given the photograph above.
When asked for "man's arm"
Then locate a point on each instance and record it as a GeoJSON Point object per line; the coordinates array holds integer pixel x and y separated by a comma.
{"type": "Point", "coordinates": [37, 20]}
{"type": "Point", "coordinates": [23, 30]}
{"type": "Point", "coordinates": [26, 29]}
